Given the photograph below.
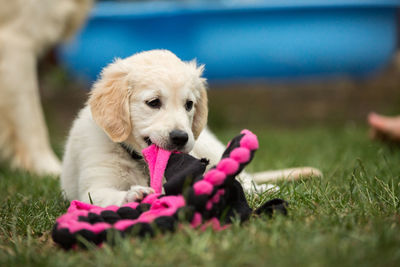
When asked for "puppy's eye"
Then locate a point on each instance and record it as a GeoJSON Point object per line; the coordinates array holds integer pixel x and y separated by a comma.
{"type": "Point", "coordinates": [189, 105]}
{"type": "Point", "coordinates": [155, 103]}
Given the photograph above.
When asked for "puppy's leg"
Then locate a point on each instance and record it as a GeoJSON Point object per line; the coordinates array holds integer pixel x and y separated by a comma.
{"type": "Point", "coordinates": [26, 136]}
{"type": "Point", "coordinates": [108, 179]}
{"type": "Point", "coordinates": [103, 196]}
{"type": "Point", "coordinates": [286, 174]}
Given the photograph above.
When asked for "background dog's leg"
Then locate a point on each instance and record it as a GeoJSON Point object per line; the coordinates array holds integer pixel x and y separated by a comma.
{"type": "Point", "coordinates": [24, 133]}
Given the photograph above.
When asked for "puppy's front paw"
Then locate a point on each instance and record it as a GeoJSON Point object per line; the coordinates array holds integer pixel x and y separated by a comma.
{"type": "Point", "coordinates": [137, 192]}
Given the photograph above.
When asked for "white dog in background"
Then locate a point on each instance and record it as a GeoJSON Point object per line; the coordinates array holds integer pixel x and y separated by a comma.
{"type": "Point", "coordinates": [150, 97]}
{"type": "Point", "coordinates": [27, 29]}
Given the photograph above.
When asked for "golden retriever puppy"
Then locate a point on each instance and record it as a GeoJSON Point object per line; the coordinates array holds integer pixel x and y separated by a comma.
{"type": "Point", "coordinates": [150, 97]}
{"type": "Point", "coordinates": [27, 28]}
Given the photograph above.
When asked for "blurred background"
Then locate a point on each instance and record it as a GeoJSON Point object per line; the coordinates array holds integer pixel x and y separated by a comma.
{"type": "Point", "coordinates": [269, 63]}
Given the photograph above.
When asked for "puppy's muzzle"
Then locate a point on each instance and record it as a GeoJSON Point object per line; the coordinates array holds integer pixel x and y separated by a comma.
{"type": "Point", "coordinates": [178, 138]}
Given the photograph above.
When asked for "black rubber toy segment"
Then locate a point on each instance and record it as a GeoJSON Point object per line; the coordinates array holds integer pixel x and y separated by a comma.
{"type": "Point", "coordinates": [83, 219]}
{"type": "Point", "coordinates": [235, 199]}
{"type": "Point", "coordinates": [272, 206]}
{"type": "Point", "coordinates": [128, 213]}
{"type": "Point", "coordinates": [110, 217]}
{"type": "Point", "coordinates": [197, 201]}
{"type": "Point", "coordinates": [91, 218]}
{"type": "Point", "coordinates": [111, 236]}
{"type": "Point", "coordinates": [140, 229]}
{"type": "Point", "coordinates": [86, 235]}
{"type": "Point", "coordinates": [95, 218]}
{"type": "Point", "coordinates": [181, 171]}
{"type": "Point", "coordinates": [166, 223]}
{"type": "Point", "coordinates": [143, 207]}
{"type": "Point", "coordinates": [63, 237]}
{"type": "Point", "coordinates": [185, 213]}
{"type": "Point", "coordinates": [235, 142]}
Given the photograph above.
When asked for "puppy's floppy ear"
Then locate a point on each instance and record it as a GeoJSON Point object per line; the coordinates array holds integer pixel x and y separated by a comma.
{"type": "Point", "coordinates": [109, 102]}
{"type": "Point", "coordinates": [201, 106]}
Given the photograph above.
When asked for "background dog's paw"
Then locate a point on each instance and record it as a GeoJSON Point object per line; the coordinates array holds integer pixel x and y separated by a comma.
{"type": "Point", "coordinates": [48, 165]}
{"type": "Point", "coordinates": [137, 192]}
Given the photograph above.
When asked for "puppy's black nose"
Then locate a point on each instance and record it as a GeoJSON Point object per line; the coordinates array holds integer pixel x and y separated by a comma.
{"type": "Point", "coordinates": [178, 138]}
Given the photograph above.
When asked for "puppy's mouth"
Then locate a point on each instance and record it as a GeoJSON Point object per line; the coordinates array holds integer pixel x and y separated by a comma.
{"type": "Point", "coordinates": [148, 141]}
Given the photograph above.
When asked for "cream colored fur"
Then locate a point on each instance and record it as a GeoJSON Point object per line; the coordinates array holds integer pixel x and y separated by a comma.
{"type": "Point", "coordinates": [27, 29]}
{"type": "Point", "coordinates": [95, 165]}
{"type": "Point", "coordinates": [118, 111]}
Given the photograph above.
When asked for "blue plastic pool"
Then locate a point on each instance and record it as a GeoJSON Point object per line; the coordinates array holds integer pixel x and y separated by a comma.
{"type": "Point", "coordinates": [243, 39]}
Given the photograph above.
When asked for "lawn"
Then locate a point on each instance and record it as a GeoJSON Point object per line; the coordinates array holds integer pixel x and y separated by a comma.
{"type": "Point", "coordinates": [349, 217]}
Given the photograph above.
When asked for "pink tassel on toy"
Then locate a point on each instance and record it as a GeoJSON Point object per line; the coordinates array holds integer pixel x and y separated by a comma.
{"type": "Point", "coordinates": [157, 160]}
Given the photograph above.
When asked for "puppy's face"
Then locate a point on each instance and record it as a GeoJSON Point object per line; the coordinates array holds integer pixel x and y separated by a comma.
{"type": "Point", "coordinates": [151, 97]}
{"type": "Point", "coordinates": [163, 115]}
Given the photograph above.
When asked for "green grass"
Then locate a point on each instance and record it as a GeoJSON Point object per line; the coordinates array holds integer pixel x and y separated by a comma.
{"type": "Point", "coordinates": [350, 217]}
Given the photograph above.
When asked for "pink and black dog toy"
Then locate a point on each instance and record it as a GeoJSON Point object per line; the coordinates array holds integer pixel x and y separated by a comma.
{"type": "Point", "coordinates": [210, 199]}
